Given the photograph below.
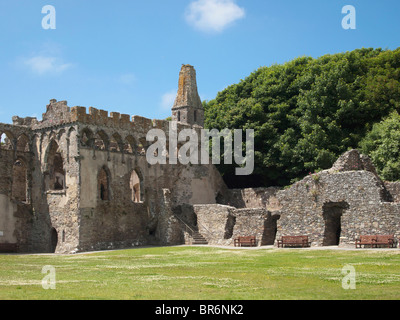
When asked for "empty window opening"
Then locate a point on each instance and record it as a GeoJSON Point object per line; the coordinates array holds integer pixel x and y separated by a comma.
{"type": "Point", "coordinates": [195, 116]}
{"type": "Point", "coordinates": [6, 141]}
{"type": "Point", "coordinates": [179, 116]}
{"type": "Point", "coordinates": [332, 214]}
{"type": "Point", "coordinates": [129, 145]}
{"type": "Point", "coordinates": [55, 164]}
{"type": "Point", "coordinates": [136, 186]}
{"type": "Point", "coordinates": [141, 148]}
{"type": "Point", "coordinates": [87, 138]}
{"type": "Point", "coordinates": [101, 141]}
{"type": "Point", "coordinates": [20, 185]}
{"type": "Point", "coordinates": [115, 143]}
{"type": "Point", "coordinates": [104, 185]}
{"type": "Point", "coordinates": [59, 175]}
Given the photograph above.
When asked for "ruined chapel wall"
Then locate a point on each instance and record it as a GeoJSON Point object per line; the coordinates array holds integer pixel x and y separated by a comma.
{"type": "Point", "coordinates": [115, 221]}
{"type": "Point", "coordinates": [56, 212]}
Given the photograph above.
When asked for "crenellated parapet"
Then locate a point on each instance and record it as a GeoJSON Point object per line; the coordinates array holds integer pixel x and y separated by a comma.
{"type": "Point", "coordinates": [59, 113]}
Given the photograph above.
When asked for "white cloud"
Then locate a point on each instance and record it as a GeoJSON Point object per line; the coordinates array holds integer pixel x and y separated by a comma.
{"type": "Point", "coordinates": [168, 99]}
{"type": "Point", "coordinates": [41, 64]}
{"type": "Point", "coordinates": [213, 15]}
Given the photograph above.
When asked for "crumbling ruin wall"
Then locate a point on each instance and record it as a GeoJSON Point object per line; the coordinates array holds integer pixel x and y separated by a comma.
{"type": "Point", "coordinates": [55, 189]}
{"type": "Point", "coordinates": [252, 198]}
{"type": "Point", "coordinates": [332, 207]}
{"type": "Point", "coordinates": [345, 200]}
{"type": "Point", "coordinates": [118, 147]}
{"type": "Point", "coordinates": [15, 188]}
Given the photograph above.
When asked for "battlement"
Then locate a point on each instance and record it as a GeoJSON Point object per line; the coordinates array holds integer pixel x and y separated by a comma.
{"type": "Point", "coordinates": [59, 113]}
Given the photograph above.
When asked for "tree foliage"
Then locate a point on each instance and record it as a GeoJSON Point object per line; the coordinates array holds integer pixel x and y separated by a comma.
{"type": "Point", "coordinates": [307, 112]}
{"type": "Point", "coordinates": [382, 144]}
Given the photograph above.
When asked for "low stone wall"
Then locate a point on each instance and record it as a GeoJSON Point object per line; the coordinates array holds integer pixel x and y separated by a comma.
{"type": "Point", "coordinates": [254, 222]}
{"type": "Point", "coordinates": [221, 224]}
{"type": "Point", "coordinates": [215, 223]}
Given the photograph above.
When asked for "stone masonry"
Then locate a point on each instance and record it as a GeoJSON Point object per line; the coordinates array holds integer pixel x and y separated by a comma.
{"type": "Point", "coordinates": [79, 180]}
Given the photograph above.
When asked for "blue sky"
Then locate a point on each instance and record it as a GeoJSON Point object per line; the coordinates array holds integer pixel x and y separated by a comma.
{"type": "Point", "coordinates": [125, 55]}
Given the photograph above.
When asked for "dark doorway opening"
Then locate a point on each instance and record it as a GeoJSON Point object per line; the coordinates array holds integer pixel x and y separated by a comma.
{"type": "Point", "coordinates": [54, 240]}
{"type": "Point", "coordinates": [270, 230]}
{"type": "Point", "coordinates": [332, 214]}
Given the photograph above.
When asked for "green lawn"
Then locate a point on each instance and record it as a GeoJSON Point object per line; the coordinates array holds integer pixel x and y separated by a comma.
{"type": "Point", "coordinates": [203, 273]}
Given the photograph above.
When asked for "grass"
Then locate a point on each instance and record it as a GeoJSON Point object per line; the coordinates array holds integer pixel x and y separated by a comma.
{"type": "Point", "coordinates": [203, 273]}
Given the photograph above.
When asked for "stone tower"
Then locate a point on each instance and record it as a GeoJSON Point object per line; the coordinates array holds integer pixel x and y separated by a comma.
{"type": "Point", "coordinates": [187, 107]}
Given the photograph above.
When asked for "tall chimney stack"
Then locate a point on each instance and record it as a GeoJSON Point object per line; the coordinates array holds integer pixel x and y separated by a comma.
{"type": "Point", "coordinates": [188, 107]}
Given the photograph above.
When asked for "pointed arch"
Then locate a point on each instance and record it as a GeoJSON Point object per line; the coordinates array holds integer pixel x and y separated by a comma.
{"type": "Point", "coordinates": [130, 145]}
{"type": "Point", "coordinates": [116, 143]}
{"type": "Point", "coordinates": [101, 141]}
{"type": "Point", "coordinates": [60, 133]}
{"type": "Point", "coordinates": [142, 146]}
{"type": "Point", "coordinates": [23, 143]}
{"type": "Point", "coordinates": [87, 138]}
{"type": "Point", "coordinates": [7, 140]}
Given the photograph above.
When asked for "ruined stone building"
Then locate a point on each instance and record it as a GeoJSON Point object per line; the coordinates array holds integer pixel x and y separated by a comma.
{"type": "Point", "coordinates": [78, 180]}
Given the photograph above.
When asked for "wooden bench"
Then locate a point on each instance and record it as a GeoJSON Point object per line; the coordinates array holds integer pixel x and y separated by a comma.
{"type": "Point", "coordinates": [375, 241]}
{"type": "Point", "coordinates": [386, 240]}
{"type": "Point", "coordinates": [294, 241]}
{"type": "Point", "coordinates": [9, 247]}
{"type": "Point", "coordinates": [245, 240]}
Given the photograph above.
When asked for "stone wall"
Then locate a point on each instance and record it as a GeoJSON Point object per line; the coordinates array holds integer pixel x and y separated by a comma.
{"type": "Point", "coordinates": [221, 224]}
{"type": "Point", "coordinates": [332, 207]}
{"type": "Point", "coordinates": [393, 188]}
{"type": "Point", "coordinates": [252, 198]}
{"type": "Point", "coordinates": [255, 222]}
{"type": "Point", "coordinates": [215, 222]}
{"type": "Point", "coordinates": [348, 203]}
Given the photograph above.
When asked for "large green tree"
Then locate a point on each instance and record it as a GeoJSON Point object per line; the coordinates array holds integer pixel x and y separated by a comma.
{"type": "Point", "coordinates": [382, 144]}
{"type": "Point", "coordinates": [307, 112]}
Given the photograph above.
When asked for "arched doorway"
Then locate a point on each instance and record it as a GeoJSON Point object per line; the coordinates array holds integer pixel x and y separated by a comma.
{"type": "Point", "coordinates": [332, 213]}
